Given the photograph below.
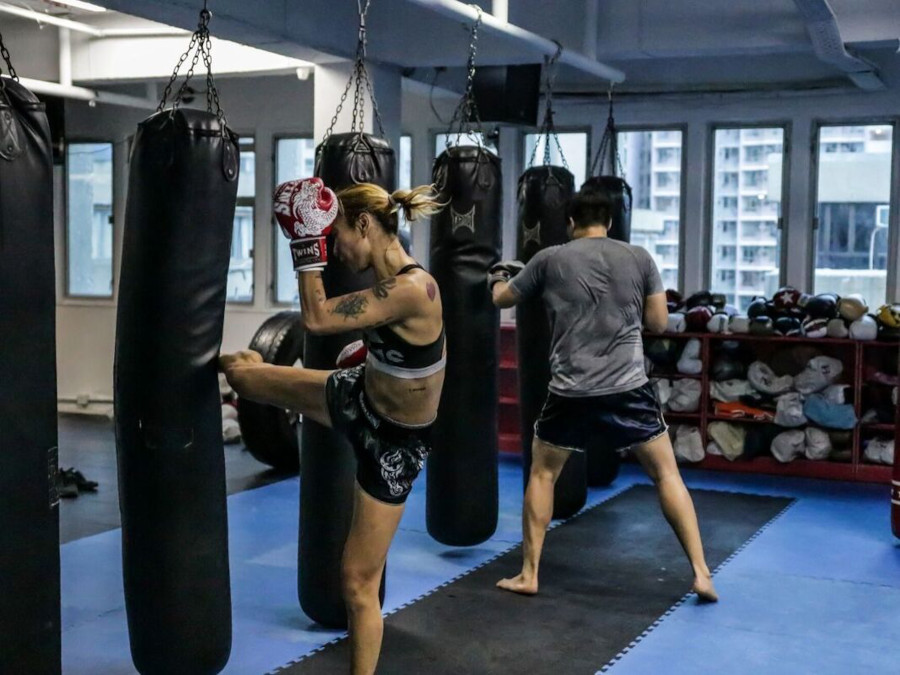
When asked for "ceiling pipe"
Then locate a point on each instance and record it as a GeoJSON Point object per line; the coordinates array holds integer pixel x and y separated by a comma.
{"type": "Point", "coordinates": [825, 35]}
{"type": "Point", "coordinates": [545, 47]}
{"type": "Point", "coordinates": [65, 56]}
{"type": "Point", "coordinates": [84, 94]}
{"type": "Point", "coordinates": [78, 26]}
{"type": "Point", "coordinates": [50, 20]}
{"type": "Point", "coordinates": [500, 9]}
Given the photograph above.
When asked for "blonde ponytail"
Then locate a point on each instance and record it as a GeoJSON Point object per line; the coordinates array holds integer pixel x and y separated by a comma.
{"type": "Point", "coordinates": [370, 198]}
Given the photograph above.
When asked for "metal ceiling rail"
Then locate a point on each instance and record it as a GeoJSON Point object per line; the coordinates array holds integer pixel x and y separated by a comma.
{"type": "Point", "coordinates": [545, 47]}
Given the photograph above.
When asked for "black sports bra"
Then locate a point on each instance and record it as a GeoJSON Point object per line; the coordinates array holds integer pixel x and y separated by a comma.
{"type": "Point", "coordinates": [391, 354]}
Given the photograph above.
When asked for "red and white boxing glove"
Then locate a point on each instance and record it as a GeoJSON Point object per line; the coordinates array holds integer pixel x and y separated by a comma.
{"type": "Point", "coordinates": [306, 210]}
{"type": "Point", "coordinates": [352, 355]}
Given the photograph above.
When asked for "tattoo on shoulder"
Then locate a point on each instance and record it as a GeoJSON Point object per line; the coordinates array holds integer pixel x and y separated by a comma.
{"type": "Point", "coordinates": [351, 306]}
{"type": "Point", "coordinates": [383, 287]}
{"type": "Point", "coordinates": [417, 389]}
{"type": "Point", "coordinates": [432, 290]}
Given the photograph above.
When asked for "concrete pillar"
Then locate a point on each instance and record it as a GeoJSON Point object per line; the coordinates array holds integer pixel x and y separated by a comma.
{"type": "Point", "coordinates": [695, 223]}
{"type": "Point", "coordinates": [798, 207]}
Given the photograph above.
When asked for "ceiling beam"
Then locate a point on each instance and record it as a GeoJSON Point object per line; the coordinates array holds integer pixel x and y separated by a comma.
{"type": "Point", "coordinates": [534, 42]}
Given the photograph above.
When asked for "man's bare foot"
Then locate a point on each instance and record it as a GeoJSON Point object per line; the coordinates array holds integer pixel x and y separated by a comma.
{"type": "Point", "coordinates": [519, 584]}
{"type": "Point", "coordinates": [703, 587]}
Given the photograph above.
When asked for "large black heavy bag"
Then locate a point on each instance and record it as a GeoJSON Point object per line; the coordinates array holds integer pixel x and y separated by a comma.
{"type": "Point", "coordinates": [544, 193]}
{"type": "Point", "coordinates": [620, 223]}
{"type": "Point", "coordinates": [270, 433]}
{"type": "Point", "coordinates": [465, 241]}
{"type": "Point", "coordinates": [178, 221]}
{"type": "Point", "coordinates": [29, 505]}
{"type": "Point", "coordinates": [603, 464]}
{"type": "Point", "coordinates": [329, 466]}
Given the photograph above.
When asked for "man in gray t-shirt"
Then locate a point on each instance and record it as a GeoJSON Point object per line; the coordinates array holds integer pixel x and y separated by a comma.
{"type": "Point", "coordinates": [593, 289]}
{"type": "Point", "coordinates": [599, 293]}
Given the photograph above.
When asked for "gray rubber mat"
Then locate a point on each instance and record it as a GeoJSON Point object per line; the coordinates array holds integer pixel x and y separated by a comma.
{"type": "Point", "coordinates": [606, 576]}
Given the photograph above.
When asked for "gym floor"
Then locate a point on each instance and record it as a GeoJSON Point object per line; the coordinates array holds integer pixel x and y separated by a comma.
{"type": "Point", "coordinates": [817, 591]}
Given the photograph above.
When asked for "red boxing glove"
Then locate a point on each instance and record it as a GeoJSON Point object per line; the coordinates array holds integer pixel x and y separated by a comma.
{"type": "Point", "coordinates": [352, 355]}
{"type": "Point", "coordinates": [306, 210]}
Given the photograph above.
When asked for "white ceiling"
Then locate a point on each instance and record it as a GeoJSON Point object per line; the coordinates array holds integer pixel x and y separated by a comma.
{"type": "Point", "coordinates": [660, 45]}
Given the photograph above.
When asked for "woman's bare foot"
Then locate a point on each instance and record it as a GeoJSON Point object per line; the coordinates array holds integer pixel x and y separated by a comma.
{"type": "Point", "coordinates": [519, 584]}
{"type": "Point", "coordinates": [703, 587]}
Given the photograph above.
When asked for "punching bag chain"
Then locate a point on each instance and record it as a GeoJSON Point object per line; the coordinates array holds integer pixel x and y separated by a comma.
{"type": "Point", "coordinates": [359, 78]}
{"type": "Point", "coordinates": [548, 127]}
{"type": "Point", "coordinates": [9, 66]}
{"type": "Point", "coordinates": [201, 47]}
{"type": "Point", "coordinates": [608, 152]}
{"type": "Point", "coordinates": [467, 109]}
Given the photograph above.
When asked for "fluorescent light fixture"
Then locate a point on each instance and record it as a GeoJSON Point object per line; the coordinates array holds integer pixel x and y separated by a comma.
{"type": "Point", "coordinates": [50, 20]}
{"type": "Point", "coordinates": [78, 4]}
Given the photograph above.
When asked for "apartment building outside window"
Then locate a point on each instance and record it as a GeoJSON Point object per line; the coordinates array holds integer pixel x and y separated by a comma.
{"type": "Point", "coordinates": [852, 209]}
{"type": "Point", "coordinates": [651, 160]}
{"type": "Point", "coordinates": [747, 187]}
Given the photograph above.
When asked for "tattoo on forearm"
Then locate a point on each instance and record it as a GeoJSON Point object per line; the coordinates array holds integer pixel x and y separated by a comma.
{"type": "Point", "coordinates": [383, 287]}
{"type": "Point", "coordinates": [351, 307]}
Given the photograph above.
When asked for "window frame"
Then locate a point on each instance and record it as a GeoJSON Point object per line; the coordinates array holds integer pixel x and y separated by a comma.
{"type": "Point", "coordinates": [412, 158]}
{"type": "Point", "coordinates": [892, 279]}
{"type": "Point", "coordinates": [114, 259]}
{"type": "Point", "coordinates": [682, 212]}
{"type": "Point", "coordinates": [275, 230]}
{"type": "Point", "coordinates": [786, 125]}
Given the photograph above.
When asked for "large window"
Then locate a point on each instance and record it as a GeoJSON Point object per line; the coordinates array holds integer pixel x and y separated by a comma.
{"type": "Point", "coordinates": [651, 161]}
{"type": "Point", "coordinates": [294, 158]}
{"type": "Point", "coordinates": [240, 266]}
{"type": "Point", "coordinates": [853, 204]}
{"type": "Point", "coordinates": [747, 188]}
{"type": "Point", "coordinates": [574, 148]}
{"type": "Point", "coordinates": [89, 219]}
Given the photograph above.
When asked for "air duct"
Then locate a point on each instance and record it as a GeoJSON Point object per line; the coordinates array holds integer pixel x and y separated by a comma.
{"type": "Point", "coordinates": [825, 35]}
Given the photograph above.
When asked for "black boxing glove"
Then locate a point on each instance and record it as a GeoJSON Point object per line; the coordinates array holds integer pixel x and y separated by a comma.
{"type": "Point", "coordinates": [503, 271]}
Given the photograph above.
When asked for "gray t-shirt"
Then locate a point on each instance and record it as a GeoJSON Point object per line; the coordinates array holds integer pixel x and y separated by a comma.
{"type": "Point", "coordinates": [593, 289]}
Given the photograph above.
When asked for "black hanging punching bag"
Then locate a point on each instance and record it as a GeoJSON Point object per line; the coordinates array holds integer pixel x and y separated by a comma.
{"type": "Point", "coordinates": [329, 466]}
{"type": "Point", "coordinates": [620, 190]}
{"type": "Point", "coordinates": [465, 241]}
{"type": "Point", "coordinates": [544, 193]}
{"type": "Point", "coordinates": [29, 504]}
{"type": "Point", "coordinates": [178, 220]}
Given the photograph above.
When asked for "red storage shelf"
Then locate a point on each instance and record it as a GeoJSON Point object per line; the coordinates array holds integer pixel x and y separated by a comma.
{"type": "Point", "coordinates": [858, 357]}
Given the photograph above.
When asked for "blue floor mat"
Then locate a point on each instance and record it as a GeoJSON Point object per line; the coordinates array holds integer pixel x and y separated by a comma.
{"type": "Point", "coordinates": [835, 543]}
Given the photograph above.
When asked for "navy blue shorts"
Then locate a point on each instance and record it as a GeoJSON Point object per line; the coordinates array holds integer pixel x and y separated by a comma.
{"type": "Point", "coordinates": [388, 456]}
{"type": "Point", "coordinates": [615, 421]}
